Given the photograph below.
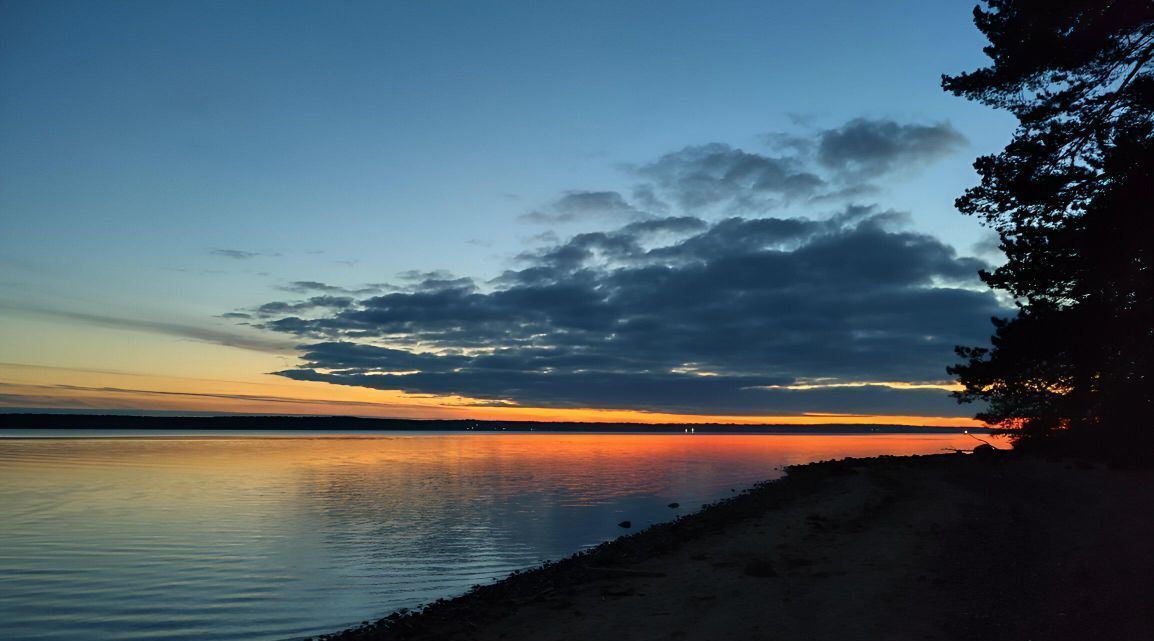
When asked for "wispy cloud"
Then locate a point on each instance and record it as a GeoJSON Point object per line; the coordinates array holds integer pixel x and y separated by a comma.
{"type": "Point", "coordinates": [585, 205]}
{"type": "Point", "coordinates": [313, 286]}
{"type": "Point", "coordinates": [24, 395]}
{"type": "Point", "coordinates": [220, 336]}
{"type": "Point", "coordinates": [236, 254]}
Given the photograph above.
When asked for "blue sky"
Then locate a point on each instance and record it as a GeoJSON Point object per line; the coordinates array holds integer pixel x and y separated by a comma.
{"type": "Point", "coordinates": [347, 143]}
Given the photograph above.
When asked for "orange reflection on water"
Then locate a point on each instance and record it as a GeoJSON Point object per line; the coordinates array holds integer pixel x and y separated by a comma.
{"type": "Point", "coordinates": [93, 527]}
{"type": "Point", "coordinates": [602, 465]}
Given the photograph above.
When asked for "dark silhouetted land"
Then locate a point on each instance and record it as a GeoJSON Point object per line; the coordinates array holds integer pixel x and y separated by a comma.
{"type": "Point", "coordinates": [988, 546]}
{"type": "Point", "coordinates": [355, 424]}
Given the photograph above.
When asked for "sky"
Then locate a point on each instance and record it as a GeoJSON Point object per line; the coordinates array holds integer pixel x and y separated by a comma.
{"type": "Point", "coordinates": [642, 211]}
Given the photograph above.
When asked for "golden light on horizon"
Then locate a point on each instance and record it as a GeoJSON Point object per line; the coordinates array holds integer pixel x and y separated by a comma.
{"type": "Point", "coordinates": [105, 390]}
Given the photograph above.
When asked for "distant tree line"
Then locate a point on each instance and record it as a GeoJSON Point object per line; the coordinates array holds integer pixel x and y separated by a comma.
{"type": "Point", "coordinates": [340, 424]}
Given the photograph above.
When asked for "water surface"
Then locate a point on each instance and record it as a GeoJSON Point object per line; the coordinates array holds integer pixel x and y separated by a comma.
{"type": "Point", "coordinates": [231, 537]}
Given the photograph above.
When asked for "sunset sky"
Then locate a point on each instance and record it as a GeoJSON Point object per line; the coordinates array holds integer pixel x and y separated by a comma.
{"type": "Point", "coordinates": [642, 211]}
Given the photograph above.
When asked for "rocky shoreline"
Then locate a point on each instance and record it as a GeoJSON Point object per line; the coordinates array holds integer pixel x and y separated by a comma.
{"type": "Point", "coordinates": [994, 546]}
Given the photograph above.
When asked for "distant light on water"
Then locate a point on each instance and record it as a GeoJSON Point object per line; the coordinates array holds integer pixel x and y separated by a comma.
{"type": "Point", "coordinates": [271, 539]}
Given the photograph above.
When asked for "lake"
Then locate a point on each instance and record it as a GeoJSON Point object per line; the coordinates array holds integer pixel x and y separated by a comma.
{"type": "Point", "coordinates": [235, 536]}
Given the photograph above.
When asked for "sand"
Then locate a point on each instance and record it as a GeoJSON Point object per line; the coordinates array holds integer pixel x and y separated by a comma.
{"type": "Point", "coordinates": [938, 547]}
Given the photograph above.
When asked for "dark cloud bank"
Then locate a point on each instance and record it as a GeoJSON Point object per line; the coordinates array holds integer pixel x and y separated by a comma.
{"type": "Point", "coordinates": [675, 312]}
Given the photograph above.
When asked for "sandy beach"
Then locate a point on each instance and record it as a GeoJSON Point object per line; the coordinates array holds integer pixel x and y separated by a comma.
{"type": "Point", "coordinates": [995, 546]}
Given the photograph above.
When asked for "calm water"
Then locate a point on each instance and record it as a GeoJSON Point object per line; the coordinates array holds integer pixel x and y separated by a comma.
{"type": "Point", "coordinates": [234, 537]}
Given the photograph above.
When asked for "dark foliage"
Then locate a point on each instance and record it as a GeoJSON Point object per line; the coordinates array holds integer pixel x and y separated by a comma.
{"type": "Point", "coordinates": [1069, 197]}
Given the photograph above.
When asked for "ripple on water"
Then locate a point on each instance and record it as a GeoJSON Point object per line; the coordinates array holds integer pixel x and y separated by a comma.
{"type": "Point", "coordinates": [273, 539]}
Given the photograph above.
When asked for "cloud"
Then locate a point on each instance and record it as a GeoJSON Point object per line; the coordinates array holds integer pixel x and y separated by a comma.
{"type": "Point", "coordinates": [657, 393]}
{"type": "Point", "coordinates": [825, 165]}
{"type": "Point", "coordinates": [864, 148]}
{"type": "Point", "coordinates": [813, 167]}
{"type": "Point", "coordinates": [990, 244]}
{"type": "Point", "coordinates": [412, 281]}
{"type": "Point", "coordinates": [312, 286]}
{"type": "Point", "coordinates": [280, 308]}
{"type": "Point", "coordinates": [30, 395]}
{"type": "Point", "coordinates": [692, 299]}
{"type": "Point", "coordinates": [717, 175]}
{"type": "Point", "coordinates": [584, 205]}
{"type": "Point", "coordinates": [675, 314]}
{"type": "Point", "coordinates": [235, 254]}
{"type": "Point", "coordinates": [416, 280]}
{"type": "Point", "coordinates": [306, 286]}
{"type": "Point", "coordinates": [195, 332]}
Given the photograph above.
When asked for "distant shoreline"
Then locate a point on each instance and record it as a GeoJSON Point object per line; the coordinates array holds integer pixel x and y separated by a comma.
{"type": "Point", "coordinates": [41, 421]}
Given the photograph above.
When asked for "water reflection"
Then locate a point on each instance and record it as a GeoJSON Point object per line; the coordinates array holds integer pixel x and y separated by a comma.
{"type": "Point", "coordinates": [285, 538]}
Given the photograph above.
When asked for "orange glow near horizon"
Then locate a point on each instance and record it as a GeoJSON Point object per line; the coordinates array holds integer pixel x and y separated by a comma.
{"type": "Point", "coordinates": [95, 391]}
